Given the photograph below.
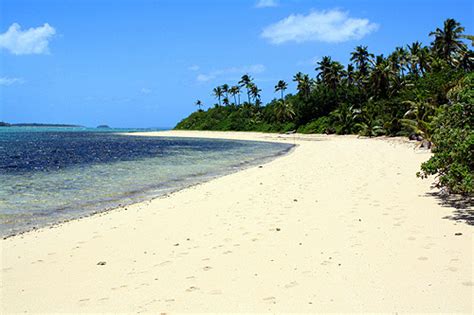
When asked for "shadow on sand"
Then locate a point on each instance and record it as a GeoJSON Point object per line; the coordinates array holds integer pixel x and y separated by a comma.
{"type": "Point", "coordinates": [463, 206]}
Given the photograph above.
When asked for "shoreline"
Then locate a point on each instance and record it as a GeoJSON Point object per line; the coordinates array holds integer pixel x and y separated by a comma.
{"type": "Point", "coordinates": [339, 224]}
{"type": "Point", "coordinates": [123, 206]}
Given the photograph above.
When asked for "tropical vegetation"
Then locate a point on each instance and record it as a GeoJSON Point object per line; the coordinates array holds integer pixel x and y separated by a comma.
{"type": "Point", "coordinates": [424, 92]}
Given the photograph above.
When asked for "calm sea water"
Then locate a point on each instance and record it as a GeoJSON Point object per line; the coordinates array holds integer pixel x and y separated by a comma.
{"type": "Point", "coordinates": [48, 175]}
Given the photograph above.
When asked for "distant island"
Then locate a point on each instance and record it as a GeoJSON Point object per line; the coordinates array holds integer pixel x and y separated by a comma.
{"type": "Point", "coordinates": [103, 127]}
{"type": "Point", "coordinates": [5, 124]}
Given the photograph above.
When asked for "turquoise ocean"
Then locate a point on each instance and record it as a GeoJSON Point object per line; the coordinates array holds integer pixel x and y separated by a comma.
{"type": "Point", "coordinates": [50, 175]}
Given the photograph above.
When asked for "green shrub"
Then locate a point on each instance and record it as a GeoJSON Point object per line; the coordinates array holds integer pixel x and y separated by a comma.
{"type": "Point", "coordinates": [319, 125]}
{"type": "Point", "coordinates": [453, 139]}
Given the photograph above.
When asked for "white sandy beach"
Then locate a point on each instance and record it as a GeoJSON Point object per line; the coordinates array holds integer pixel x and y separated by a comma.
{"type": "Point", "coordinates": [340, 224]}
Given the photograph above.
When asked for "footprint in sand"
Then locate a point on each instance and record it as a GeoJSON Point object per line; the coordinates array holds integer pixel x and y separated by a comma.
{"type": "Point", "coordinates": [468, 283]}
{"type": "Point", "coordinates": [165, 263]}
{"type": "Point", "coordinates": [207, 268]}
{"type": "Point", "coordinates": [270, 299]}
{"type": "Point", "coordinates": [291, 285]}
{"type": "Point", "coordinates": [215, 292]}
{"type": "Point", "coordinates": [422, 258]}
{"type": "Point", "coordinates": [227, 252]}
{"type": "Point", "coordinates": [83, 300]}
{"type": "Point", "coordinates": [412, 238]}
{"type": "Point", "coordinates": [192, 289]}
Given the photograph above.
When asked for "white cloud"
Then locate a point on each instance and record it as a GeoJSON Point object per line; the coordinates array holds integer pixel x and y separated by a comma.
{"type": "Point", "coordinates": [145, 91]}
{"type": "Point", "coordinates": [205, 77]}
{"type": "Point", "coordinates": [266, 4]}
{"type": "Point", "coordinates": [30, 41]}
{"type": "Point", "coordinates": [252, 69]}
{"type": "Point", "coordinates": [332, 26]}
{"type": "Point", "coordinates": [9, 81]}
{"type": "Point", "coordinates": [194, 68]}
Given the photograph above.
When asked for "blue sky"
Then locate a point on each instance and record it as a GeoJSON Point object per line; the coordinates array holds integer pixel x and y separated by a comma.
{"type": "Point", "coordinates": [143, 63]}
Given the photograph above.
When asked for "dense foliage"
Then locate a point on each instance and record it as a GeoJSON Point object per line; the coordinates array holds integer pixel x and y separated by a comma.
{"type": "Point", "coordinates": [453, 136]}
{"type": "Point", "coordinates": [418, 91]}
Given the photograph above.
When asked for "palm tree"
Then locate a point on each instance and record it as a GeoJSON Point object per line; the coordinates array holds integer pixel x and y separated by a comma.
{"type": "Point", "coordinates": [298, 77]}
{"type": "Point", "coordinates": [447, 40]}
{"type": "Point", "coordinates": [281, 86]}
{"type": "Point", "coordinates": [235, 90]}
{"type": "Point", "coordinates": [225, 89]}
{"type": "Point", "coordinates": [217, 91]}
{"type": "Point", "coordinates": [303, 84]}
{"type": "Point", "coordinates": [381, 76]}
{"type": "Point", "coordinates": [284, 111]}
{"type": "Point", "coordinates": [362, 59]}
{"type": "Point", "coordinates": [350, 74]}
{"type": "Point", "coordinates": [402, 58]}
{"type": "Point", "coordinates": [198, 103]}
{"type": "Point", "coordinates": [335, 74]}
{"type": "Point", "coordinates": [246, 81]}
{"type": "Point", "coordinates": [225, 101]}
{"type": "Point", "coordinates": [323, 69]}
{"type": "Point", "coordinates": [414, 57]}
{"type": "Point", "coordinates": [370, 125]}
{"type": "Point", "coordinates": [424, 60]}
{"type": "Point", "coordinates": [418, 118]}
{"type": "Point", "coordinates": [255, 93]}
{"type": "Point", "coordinates": [330, 72]}
{"type": "Point", "coordinates": [345, 118]}
{"type": "Point", "coordinates": [465, 60]}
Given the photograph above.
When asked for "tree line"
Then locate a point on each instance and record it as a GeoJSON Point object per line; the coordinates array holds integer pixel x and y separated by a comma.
{"type": "Point", "coordinates": [409, 92]}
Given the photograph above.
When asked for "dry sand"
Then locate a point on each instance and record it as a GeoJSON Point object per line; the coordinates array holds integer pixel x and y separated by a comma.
{"type": "Point", "coordinates": [339, 224]}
